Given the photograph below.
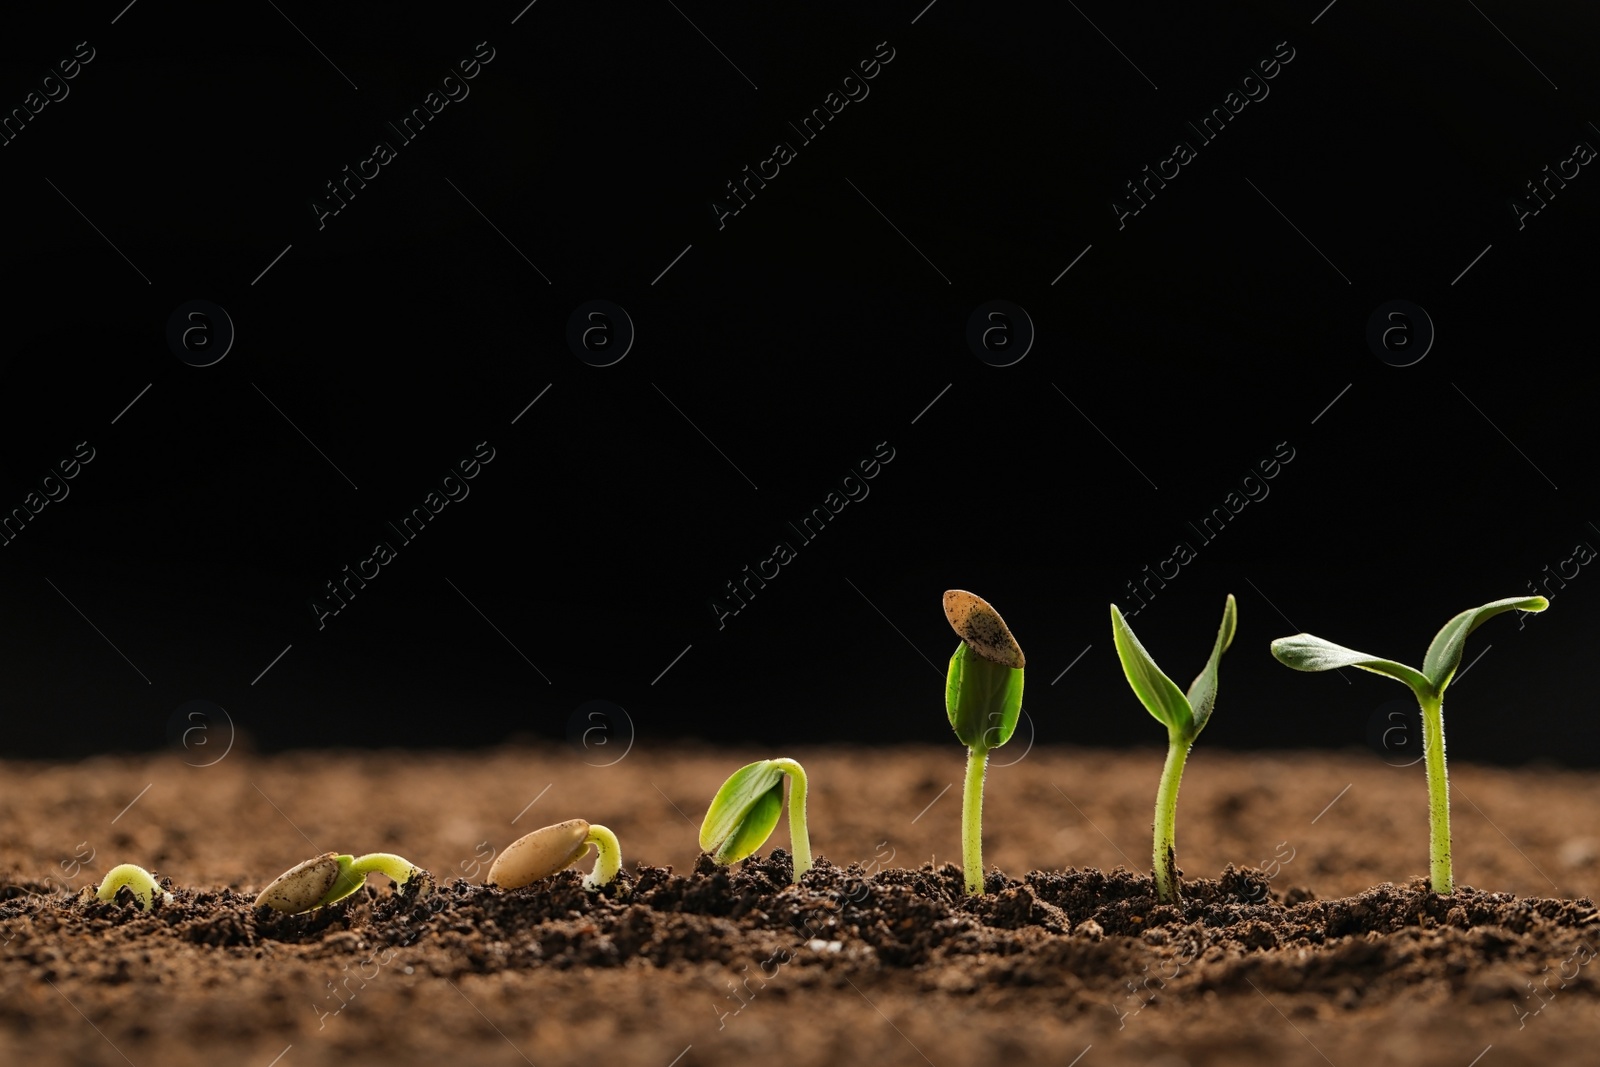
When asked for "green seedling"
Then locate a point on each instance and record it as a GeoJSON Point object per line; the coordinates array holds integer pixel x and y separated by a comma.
{"type": "Point", "coordinates": [983, 697]}
{"type": "Point", "coordinates": [1304, 652]}
{"type": "Point", "coordinates": [745, 811]}
{"type": "Point", "coordinates": [138, 880]}
{"type": "Point", "coordinates": [1184, 715]}
{"type": "Point", "coordinates": [551, 849]}
{"type": "Point", "coordinates": [330, 877]}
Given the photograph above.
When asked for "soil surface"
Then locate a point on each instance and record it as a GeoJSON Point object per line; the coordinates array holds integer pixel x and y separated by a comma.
{"type": "Point", "coordinates": [1305, 934]}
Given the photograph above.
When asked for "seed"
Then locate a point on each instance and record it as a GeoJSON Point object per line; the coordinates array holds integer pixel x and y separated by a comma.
{"type": "Point", "coordinates": [540, 854]}
{"type": "Point", "coordinates": [982, 627]}
{"type": "Point", "coordinates": [301, 886]}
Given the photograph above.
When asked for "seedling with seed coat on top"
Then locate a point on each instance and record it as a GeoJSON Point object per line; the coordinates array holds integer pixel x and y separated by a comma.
{"type": "Point", "coordinates": [745, 811]}
{"type": "Point", "coordinates": [551, 849]}
{"type": "Point", "coordinates": [1304, 652]}
{"type": "Point", "coordinates": [1184, 715]}
{"type": "Point", "coordinates": [983, 697]}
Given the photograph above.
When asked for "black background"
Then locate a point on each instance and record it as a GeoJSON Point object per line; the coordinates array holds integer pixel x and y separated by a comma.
{"type": "Point", "coordinates": [780, 349]}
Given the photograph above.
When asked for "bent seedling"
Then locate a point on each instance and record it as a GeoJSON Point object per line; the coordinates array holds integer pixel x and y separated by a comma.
{"type": "Point", "coordinates": [745, 811]}
{"type": "Point", "coordinates": [983, 697]}
{"type": "Point", "coordinates": [330, 877]}
{"type": "Point", "coordinates": [139, 881]}
{"type": "Point", "coordinates": [1184, 715]}
{"type": "Point", "coordinates": [551, 849]}
{"type": "Point", "coordinates": [1304, 652]}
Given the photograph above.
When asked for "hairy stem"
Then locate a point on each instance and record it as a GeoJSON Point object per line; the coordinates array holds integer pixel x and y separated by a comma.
{"type": "Point", "coordinates": [1441, 874]}
{"type": "Point", "coordinates": [972, 819]}
{"type": "Point", "coordinates": [1164, 853]}
{"type": "Point", "coordinates": [608, 856]}
{"type": "Point", "coordinates": [799, 838]}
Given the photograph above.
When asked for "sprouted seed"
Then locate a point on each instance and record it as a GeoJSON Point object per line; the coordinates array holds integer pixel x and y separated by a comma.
{"type": "Point", "coordinates": [745, 811]}
{"type": "Point", "coordinates": [551, 849]}
{"type": "Point", "coordinates": [330, 877]}
{"type": "Point", "coordinates": [138, 880]}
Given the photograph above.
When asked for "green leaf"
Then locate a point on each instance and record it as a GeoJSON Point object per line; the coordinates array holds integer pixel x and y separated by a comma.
{"type": "Point", "coordinates": [1304, 652]}
{"type": "Point", "coordinates": [1203, 693]}
{"type": "Point", "coordinates": [760, 819]}
{"type": "Point", "coordinates": [345, 883]}
{"type": "Point", "coordinates": [744, 812]}
{"type": "Point", "coordinates": [982, 698]}
{"type": "Point", "coordinates": [1444, 654]}
{"type": "Point", "coordinates": [1158, 693]}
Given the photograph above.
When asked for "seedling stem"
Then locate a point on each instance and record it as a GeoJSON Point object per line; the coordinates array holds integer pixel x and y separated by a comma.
{"type": "Point", "coordinates": [1440, 868]}
{"type": "Point", "coordinates": [353, 874]}
{"type": "Point", "coordinates": [745, 811]}
{"type": "Point", "coordinates": [608, 856]}
{"type": "Point", "coordinates": [1165, 856]}
{"type": "Point", "coordinates": [972, 819]}
{"type": "Point", "coordinates": [799, 838]}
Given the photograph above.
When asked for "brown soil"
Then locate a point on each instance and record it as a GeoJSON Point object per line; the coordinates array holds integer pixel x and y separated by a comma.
{"type": "Point", "coordinates": [1316, 943]}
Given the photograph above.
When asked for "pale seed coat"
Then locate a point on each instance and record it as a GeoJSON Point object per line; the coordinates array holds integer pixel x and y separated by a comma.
{"type": "Point", "coordinates": [540, 854]}
{"type": "Point", "coordinates": [301, 886]}
{"type": "Point", "coordinates": [980, 626]}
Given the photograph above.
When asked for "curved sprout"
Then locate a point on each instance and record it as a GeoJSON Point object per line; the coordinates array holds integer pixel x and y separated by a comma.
{"type": "Point", "coordinates": [745, 811]}
{"type": "Point", "coordinates": [140, 881]}
{"type": "Point", "coordinates": [552, 849]}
